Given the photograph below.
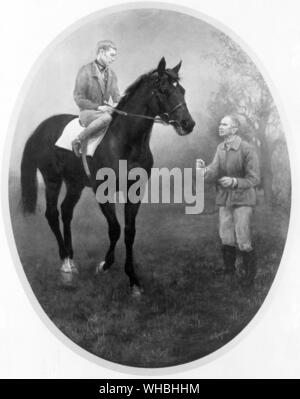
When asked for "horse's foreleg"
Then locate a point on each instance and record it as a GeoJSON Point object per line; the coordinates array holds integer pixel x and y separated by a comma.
{"type": "Point", "coordinates": [114, 231]}
{"type": "Point", "coordinates": [131, 211]}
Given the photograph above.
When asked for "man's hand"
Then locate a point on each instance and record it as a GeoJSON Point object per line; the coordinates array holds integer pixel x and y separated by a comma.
{"type": "Point", "coordinates": [226, 181]}
{"type": "Point", "coordinates": [105, 108]}
{"type": "Point", "coordinates": [200, 163]}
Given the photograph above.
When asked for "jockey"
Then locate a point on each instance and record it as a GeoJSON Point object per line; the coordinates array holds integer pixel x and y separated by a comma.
{"type": "Point", "coordinates": [95, 84]}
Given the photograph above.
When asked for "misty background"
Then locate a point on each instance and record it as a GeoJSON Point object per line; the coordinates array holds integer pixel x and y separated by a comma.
{"type": "Point", "coordinates": [218, 76]}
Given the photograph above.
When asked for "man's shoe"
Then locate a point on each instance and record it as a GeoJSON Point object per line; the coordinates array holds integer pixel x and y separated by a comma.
{"type": "Point", "coordinates": [76, 147]}
{"type": "Point", "coordinates": [249, 268]}
{"type": "Point", "coordinates": [229, 258]}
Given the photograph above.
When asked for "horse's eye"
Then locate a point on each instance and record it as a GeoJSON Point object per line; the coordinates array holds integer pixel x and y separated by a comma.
{"type": "Point", "coordinates": [175, 84]}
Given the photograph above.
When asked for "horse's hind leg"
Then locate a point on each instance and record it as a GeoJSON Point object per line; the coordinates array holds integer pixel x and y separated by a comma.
{"type": "Point", "coordinates": [67, 208]}
{"type": "Point", "coordinates": [131, 211]}
{"type": "Point", "coordinates": [73, 194]}
{"type": "Point", "coordinates": [53, 186]}
{"type": "Point", "coordinates": [114, 231]}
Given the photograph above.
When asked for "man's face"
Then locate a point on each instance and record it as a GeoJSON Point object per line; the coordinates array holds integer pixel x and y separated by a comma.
{"type": "Point", "coordinates": [226, 127]}
{"type": "Point", "coordinates": [107, 57]}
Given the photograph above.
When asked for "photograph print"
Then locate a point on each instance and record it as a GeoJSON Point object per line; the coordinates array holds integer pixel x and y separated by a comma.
{"type": "Point", "coordinates": [149, 187]}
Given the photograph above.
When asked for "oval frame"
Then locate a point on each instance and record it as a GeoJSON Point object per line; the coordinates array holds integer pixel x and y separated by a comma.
{"type": "Point", "coordinates": [8, 145]}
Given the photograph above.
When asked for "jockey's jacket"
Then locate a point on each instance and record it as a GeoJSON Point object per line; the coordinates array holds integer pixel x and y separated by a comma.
{"type": "Point", "coordinates": [94, 87]}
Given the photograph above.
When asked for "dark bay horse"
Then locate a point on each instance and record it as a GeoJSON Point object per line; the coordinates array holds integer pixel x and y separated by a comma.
{"type": "Point", "coordinates": [157, 93]}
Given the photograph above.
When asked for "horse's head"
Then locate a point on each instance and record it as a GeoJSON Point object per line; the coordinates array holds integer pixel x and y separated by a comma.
{"type": "Point", "coordinates": [169, 101]}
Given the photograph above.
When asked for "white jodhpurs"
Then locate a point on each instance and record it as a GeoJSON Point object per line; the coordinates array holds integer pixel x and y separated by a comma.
{"type": "Point", "coordinates": [235, 226]}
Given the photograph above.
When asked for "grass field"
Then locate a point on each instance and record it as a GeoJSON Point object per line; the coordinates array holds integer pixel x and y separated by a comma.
{"type": "Point", "coordinates": [186, 311]}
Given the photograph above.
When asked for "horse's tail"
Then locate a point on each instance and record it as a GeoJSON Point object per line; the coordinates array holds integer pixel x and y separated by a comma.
{"type": "Point", "coordinates": [29, 178]}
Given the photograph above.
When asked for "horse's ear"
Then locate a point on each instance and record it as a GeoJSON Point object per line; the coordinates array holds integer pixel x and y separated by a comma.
{"type": "Point", "coordinates": [161, 66]}
{"type": "Point", "coordinates": [177, 67]}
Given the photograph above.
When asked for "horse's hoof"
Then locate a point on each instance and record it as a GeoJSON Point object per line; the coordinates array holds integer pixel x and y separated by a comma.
{"type": "Point", "coordinates": [67, 279]}
{"type": "Point", "coordinates": [100, 268]}
{"type": "Point", "coordinates": [69, 266]}
{"type": "Point", "coordinates": [67, 273]}
{"type": "Point", "coordinates": [136, 291]}
{"type": "Point", "coordinates": [74, 268]}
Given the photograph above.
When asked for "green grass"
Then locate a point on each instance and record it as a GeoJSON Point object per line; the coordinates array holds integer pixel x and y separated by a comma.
{"type": "Point", "coordinates": [186, 311]}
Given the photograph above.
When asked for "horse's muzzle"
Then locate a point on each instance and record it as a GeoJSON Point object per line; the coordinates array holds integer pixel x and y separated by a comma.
{"type": "Point", "coordinates": [183, 128]}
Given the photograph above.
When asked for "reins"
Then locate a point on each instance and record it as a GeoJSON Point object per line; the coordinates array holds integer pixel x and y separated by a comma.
{"type": "Point", "coordinates": [129, 114]}
{"type": "Point", "coordinates": [155, 119]}
{"type": "Point", "coordinates": [123, 113]}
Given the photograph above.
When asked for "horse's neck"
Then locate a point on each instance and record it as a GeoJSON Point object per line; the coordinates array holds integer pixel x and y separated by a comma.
{"type": "Point", "coordinates": [137, 128]}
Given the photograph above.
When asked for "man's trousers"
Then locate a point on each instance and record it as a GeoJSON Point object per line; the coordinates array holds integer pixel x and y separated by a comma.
{"type": "Point", "coordinates": [235, 226]}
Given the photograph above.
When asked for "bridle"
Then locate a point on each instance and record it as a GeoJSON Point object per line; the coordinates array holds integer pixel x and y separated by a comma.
{"type": "Point", "coordinates": [173, 122]}
{"type": "Point", "coordinates": [163, 118]}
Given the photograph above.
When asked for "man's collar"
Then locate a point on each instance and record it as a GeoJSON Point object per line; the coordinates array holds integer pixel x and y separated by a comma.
{"type": "Point", "coordinates": [234, 145]}
{"type": "Point", "coordinates": [101, 67]}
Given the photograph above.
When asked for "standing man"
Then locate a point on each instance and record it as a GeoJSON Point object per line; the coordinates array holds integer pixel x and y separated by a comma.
{"type": "Point", "coordinates": [95, 84]}
{"type": "Point", "coordinates": [235, 168]}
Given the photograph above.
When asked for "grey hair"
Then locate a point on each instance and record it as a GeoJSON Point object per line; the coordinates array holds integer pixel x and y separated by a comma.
{"type": "Point", "coordinates": [235, 121]}
{"type": "Point", "coordinates": [105, 45]}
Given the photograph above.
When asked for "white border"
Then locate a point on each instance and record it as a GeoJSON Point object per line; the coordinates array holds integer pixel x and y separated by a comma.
{"type": "Point", "coordinates": [219, 356]}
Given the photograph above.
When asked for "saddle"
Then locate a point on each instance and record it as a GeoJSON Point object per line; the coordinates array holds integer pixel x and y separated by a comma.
{"type": "Point", "coordinates": [71, 131]}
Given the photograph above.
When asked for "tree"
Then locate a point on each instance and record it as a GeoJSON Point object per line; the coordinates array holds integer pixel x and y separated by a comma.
{"type": "Point", "coordinates": [243, 91]}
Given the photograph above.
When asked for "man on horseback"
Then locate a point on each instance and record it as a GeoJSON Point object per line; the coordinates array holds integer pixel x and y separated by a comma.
{"type": "Point", "coordinates": [95, 84]}
{"type": "Point", "coordinates": [148, 99]}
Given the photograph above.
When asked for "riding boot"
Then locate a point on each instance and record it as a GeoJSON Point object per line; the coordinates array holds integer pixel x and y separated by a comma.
{"type": "Point", "coordinates": [249, 267]}
{"type": "Point", "coordinates": [82, 139]}
{"type": "Point", "coordinates": [229, 258]}
{"type": "Point", "coordinates": [95, 128]}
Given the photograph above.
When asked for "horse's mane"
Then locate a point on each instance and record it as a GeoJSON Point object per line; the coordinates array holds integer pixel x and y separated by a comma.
{"type": "Point", "coordinates": [131, 89]}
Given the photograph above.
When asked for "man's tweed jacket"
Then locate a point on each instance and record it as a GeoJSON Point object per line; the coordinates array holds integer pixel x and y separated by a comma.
{"type": "Point", "coordinates": [90, 90]}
